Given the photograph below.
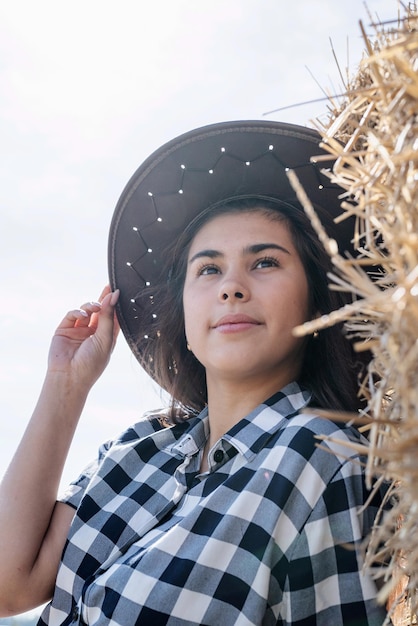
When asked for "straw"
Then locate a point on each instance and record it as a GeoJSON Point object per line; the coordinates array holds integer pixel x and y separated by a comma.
{"type": "Point", "coordinates": [373, 137]}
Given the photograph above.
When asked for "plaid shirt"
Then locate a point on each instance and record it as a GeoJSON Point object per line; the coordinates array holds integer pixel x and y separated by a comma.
{"type": "Point", "coordinates": [262, 538]}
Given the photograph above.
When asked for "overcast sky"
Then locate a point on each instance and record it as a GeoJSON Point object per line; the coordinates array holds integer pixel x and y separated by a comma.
{"type": "Point", "coordinates": [87, 90]}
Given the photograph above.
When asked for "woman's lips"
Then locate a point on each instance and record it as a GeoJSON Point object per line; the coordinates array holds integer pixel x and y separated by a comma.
{"type": "Point", "coordinates": [235, 323]}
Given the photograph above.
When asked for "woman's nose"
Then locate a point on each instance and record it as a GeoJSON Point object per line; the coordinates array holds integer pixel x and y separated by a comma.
{"type": "Point", "coordinates": [237, 294]}
{"type": "Point", "coordinates": [233, 290]}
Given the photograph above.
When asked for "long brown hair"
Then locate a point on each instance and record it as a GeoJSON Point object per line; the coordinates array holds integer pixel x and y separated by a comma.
{"type": "Point", "coordinates": [330, 368]}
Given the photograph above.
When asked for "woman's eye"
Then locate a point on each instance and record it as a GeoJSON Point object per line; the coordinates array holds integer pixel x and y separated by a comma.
{"type": "Point", "coordinates": [266, 262]}
{"type": "Point", "coordinates": [208, 269]}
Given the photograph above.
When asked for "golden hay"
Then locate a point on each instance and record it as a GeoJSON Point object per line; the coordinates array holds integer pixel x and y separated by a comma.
{"type": "Point", "coordinates": [373, 137]}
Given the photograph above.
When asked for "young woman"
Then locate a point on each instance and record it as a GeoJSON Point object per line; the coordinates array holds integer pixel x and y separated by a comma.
{"type": "Point", "coordinates": [220, 509]}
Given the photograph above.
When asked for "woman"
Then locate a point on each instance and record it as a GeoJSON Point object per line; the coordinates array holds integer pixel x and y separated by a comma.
{"type": "Point", "coordinates": [222, 509]}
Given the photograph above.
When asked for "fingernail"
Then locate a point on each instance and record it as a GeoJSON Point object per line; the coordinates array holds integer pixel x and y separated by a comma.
{"type": "Point", "coordinates": [114, 298]}
{"type": "Point", "coordinates": [95, 303]}
{"type": "Point", "coordinates": [83, 312]}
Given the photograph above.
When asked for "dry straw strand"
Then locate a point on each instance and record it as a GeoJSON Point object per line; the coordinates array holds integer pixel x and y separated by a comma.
{"type": "Point", "coordinates": [372, 136]}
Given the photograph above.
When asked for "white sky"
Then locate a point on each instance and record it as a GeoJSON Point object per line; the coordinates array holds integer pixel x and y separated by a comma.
{"type": "Point", "coordinates": [87, 90]}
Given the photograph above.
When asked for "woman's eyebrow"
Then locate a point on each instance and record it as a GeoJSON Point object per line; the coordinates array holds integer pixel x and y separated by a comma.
{"type": "Point", "coordinates": [255, 248]}
{"type": "Point", "coordinates": [260, 247]}
{"type": "Point", "coordinates": [212, 254]}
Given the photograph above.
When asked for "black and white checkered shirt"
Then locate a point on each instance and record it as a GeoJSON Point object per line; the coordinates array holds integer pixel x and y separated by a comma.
{"type": "Point", "coordinates": [267, 536]}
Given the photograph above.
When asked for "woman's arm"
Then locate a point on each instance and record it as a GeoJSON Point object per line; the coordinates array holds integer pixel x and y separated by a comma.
{"type": "Point", "coordinates": [33, 528]}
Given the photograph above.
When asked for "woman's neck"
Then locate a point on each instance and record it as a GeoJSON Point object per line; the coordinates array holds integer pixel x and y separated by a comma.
{"type": "Point", "coordinates": [230, 401]}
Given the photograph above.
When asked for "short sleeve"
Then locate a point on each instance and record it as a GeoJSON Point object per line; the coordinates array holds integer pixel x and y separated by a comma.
{"type": "Point", "coordinates": [73, 493]}
{"type": "Point", "coordinates": [150, 422]}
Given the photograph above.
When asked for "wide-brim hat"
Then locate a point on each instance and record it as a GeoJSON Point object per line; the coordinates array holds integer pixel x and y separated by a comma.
{"type": "Point", "coordinates": [186, 176]}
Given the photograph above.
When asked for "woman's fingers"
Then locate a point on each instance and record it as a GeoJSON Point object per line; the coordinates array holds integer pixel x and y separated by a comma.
{"type": "Point", "coordinates": [110, 298]}
{"type": "Point", "coordinates": [77, 319]}
{"type": "Point", "coordinates": [105, 323]}
{"type": "Point", "coordinates": [85, 315]}
{"type": "Point", "coordinates": [71, 318]}
{"type": "Point", "coordinates": [89, 308]}
{"type": "Point", "coordinates": [106, 290]}
{"type": "Point", "coordinates": [85, 338]}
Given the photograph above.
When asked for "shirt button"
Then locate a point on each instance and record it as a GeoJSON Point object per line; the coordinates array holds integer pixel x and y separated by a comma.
{"type": "Point", "coordinates": [75, 614]}
{"type": "Point", "coordinates": [218, 456]}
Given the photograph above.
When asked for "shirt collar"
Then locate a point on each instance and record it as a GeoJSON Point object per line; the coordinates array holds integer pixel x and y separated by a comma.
{"type": "Point", "coordinates": [250, 434]}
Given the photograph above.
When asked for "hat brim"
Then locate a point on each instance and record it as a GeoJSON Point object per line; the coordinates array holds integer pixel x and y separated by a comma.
{"type": "Point", "coordinates": [186, 176]}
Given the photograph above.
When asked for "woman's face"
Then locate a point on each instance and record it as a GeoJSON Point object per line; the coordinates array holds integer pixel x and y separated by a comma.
{"type": "Point", "coordinates": [244, 292]}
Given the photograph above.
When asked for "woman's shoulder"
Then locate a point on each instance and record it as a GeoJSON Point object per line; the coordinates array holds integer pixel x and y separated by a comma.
{"type": "Point", "coordinates": [319, 421]}
{"type": "Point", "coordinates": [149, 423]}
{"type": "Point", "coordinates": [154, 430]}
{"type": "Point", "coordinates": [311, 432]}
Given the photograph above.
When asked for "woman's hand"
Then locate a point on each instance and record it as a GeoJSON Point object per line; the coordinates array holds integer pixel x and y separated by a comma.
{"type": "Point", "coordinates": [84, 340]}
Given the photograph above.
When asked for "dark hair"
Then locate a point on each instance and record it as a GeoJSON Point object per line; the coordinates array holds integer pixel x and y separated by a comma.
{"type": "Point", "coordinates": [329, 368]}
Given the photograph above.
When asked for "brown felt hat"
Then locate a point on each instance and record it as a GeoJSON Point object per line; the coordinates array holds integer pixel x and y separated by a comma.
{"type": "Point", "coordinates": [189, 174]}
